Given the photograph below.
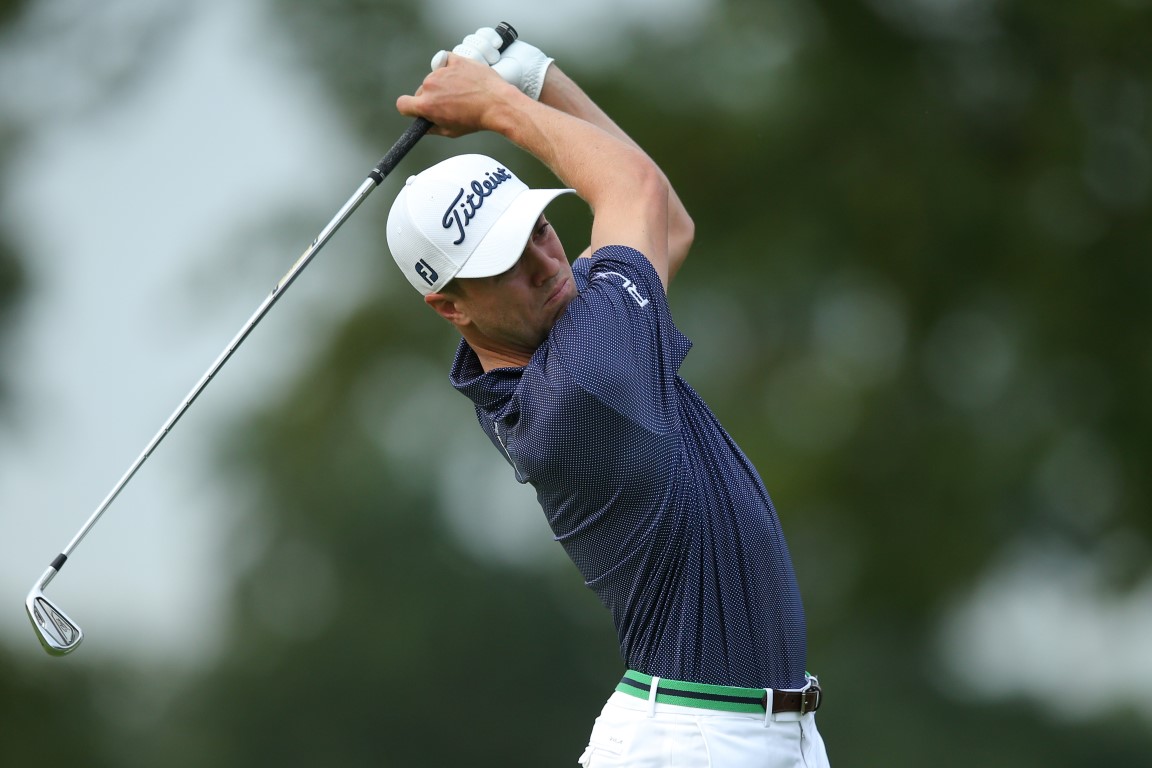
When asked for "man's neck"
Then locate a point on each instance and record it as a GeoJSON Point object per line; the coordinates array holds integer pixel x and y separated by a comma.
{"type": "Point", "coordinates": [492, 358]}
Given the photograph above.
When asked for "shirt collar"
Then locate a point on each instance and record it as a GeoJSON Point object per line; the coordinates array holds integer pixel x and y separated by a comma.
{"type": "Point", "coordinates": [488, 390]}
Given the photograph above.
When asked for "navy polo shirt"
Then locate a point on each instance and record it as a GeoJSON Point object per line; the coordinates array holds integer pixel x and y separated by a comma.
{"type": "Point", "coordinates": [660, 510]}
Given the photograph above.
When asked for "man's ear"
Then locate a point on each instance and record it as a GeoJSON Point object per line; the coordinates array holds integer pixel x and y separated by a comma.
{"type": "Point", "coordinates": [447, 308]}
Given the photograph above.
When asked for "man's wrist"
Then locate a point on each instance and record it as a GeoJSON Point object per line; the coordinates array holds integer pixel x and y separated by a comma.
{"type": "Point", "coordinates": [506, 112]}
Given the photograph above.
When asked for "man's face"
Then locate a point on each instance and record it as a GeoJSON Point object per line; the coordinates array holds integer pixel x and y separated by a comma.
{"type": "Point", "coordinates": [513, 312]}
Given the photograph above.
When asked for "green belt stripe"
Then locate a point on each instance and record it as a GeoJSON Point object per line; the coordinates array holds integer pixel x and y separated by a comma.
{"type": "Point", "coordinates": [701, 695]}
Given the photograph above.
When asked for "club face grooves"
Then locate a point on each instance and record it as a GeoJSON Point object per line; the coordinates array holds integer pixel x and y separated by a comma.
{"type": "Point", "coordinates": [58, 634]}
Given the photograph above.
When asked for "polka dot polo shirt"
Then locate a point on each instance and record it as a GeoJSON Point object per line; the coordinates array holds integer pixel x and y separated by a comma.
{"type": "Point", "coordinates": [662, 513]}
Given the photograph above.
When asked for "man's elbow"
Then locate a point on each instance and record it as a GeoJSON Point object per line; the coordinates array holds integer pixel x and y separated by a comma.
{"type": "Point", "coordinates": [681, 234]}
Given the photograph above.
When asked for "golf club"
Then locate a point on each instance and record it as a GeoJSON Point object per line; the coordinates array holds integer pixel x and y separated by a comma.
{"type": "Point", "coordinates": [58, 633]}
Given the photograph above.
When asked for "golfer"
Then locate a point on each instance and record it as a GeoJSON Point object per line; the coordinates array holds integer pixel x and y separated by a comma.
{"type": "Point", "coordinates": [573, 371]}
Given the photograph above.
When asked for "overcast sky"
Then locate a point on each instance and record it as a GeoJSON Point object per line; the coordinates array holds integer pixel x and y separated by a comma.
{"type": "Point", "coordinates": [139, 222]}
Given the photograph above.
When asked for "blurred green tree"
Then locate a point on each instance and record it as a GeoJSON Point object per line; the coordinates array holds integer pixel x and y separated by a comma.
{"type": "Point", "coordinates": [12, 274]}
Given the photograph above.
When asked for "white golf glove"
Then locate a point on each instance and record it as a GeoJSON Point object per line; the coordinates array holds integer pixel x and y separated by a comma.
{"type": "Point", "coordinates": [520, 64]}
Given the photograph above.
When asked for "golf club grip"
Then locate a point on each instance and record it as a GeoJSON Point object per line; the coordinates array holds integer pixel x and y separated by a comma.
{"type": "Point", "coordinates": [420, 126]}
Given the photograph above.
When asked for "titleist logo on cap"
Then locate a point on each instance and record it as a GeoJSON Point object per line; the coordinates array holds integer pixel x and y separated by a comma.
{"type": "Point", "coordinates": [464, 207]}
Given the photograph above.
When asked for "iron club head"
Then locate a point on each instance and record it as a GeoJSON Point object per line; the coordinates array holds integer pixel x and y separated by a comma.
{"type": "Point", "coordinates": [58, 634]}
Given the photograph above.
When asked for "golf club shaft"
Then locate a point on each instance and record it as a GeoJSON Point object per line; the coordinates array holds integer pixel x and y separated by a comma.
{"type": "Point", "coordinates": [394, 155]}
{"type": "Point", "coordinates": [353, 202]}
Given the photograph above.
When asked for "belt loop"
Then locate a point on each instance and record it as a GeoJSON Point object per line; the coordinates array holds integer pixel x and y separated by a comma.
{"type": "Point", "coordinates": [655, 685]}
{"type": "Point", "coordinates": [768, 707]}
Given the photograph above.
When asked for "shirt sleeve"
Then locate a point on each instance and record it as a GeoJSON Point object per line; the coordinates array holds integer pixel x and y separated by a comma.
{"type": "Point", "coordinates": [617, 339]}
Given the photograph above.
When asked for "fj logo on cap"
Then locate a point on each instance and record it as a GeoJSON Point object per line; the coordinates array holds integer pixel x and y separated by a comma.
{"type": "Point", "coordinates": [424, 269]}
{"type": "Point", "coordinates": [463, 208]}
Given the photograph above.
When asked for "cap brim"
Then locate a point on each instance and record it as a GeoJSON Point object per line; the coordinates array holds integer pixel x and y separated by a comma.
{"type": "Point", "coordinates": [504, 243]}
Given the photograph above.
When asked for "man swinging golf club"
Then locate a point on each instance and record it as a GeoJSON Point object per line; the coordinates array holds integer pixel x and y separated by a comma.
{"type": "Point", "coordinates": [573, 371]}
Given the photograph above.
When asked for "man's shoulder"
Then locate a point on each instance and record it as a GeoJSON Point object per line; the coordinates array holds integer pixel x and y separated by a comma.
{"type": "Point", "coordinates": [622, 267]}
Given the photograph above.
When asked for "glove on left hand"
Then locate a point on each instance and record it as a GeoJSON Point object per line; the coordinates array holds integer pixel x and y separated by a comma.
{"type": "Point", "coordinates": [520, 64]}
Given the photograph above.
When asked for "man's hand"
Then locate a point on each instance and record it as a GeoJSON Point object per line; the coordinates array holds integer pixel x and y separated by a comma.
{"type": "Point", "coordinates": [520, 64]}
{"type": "Point", "coordinates": [458, 97]}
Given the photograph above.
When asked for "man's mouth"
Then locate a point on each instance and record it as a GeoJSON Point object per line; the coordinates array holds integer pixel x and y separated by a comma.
{"type": "Point", "coordinates": [560, 286]}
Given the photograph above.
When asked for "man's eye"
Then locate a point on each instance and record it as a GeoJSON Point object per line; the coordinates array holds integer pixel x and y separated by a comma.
{"type": "Point", "coordinates": [541, 230]}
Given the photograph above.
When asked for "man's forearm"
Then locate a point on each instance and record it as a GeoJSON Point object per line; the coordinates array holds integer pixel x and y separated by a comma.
{"type": "Point", "coordinates": [562, 93]}
{"type": "Point", "coordinates": [627, 191]}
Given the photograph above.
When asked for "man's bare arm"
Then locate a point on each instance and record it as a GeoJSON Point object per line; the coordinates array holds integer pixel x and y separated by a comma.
{"type": "Point", "coordinates": [562, 93]}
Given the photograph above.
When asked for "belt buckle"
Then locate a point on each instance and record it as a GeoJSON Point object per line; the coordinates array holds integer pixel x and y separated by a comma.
{"type": "Point", "coordinates": [813, 689]}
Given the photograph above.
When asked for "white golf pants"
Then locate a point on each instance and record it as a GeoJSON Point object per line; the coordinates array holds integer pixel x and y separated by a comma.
{"type": "Point", "coordinates": [634, 733]}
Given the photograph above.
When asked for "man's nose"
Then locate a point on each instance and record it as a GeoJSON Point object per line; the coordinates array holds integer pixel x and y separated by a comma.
{"type": "Point", "coordinates": [538, 265]}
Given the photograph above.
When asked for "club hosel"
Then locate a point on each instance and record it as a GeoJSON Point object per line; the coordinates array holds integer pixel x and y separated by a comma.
{"type": "Point", "coordinates": [49, 574]}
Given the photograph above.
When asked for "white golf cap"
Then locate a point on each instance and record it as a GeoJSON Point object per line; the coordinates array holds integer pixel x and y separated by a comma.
{"type": "Point", "coordinates": [468, 216]}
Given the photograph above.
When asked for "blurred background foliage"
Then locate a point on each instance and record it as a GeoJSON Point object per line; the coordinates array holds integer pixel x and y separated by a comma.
{"type": "Point", "coordinates": [11, 269]}
{"type": "Point", "coordinates": [919, 301]}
